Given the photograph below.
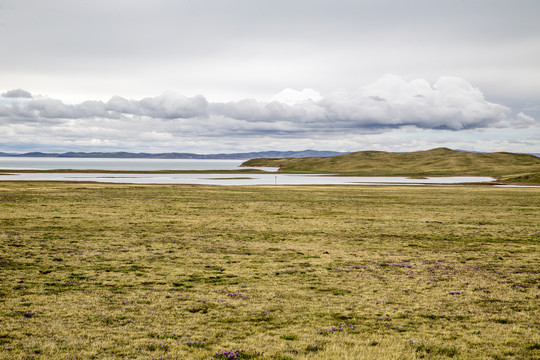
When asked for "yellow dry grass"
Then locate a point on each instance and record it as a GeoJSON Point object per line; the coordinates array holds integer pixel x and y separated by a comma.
{"type": "Point", "coordinates": [98, 271]}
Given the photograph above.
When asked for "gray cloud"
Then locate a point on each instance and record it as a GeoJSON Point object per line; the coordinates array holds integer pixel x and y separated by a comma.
{"type": "Point", "coordinates": [120, 105]}
{"type": "Point", "coordinates": [173, 106]}
{"type": "Point", "coordinates": [451, 103]}
{"type": "Point", "coordinates": [17, 93]}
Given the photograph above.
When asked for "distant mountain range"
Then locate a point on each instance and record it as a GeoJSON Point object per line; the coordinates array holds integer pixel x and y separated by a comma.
{"type": "Point", "coordinates": [235, 156]}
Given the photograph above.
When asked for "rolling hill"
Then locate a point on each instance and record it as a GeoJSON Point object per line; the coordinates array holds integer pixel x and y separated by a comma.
{"type": "Point", "coordinates": [507, 167]}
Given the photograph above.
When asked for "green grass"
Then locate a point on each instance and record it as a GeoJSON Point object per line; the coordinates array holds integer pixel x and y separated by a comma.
{"type": "Point", "coordinates": [102, 271]}
{"type": "Point", "coordinates": [531, 177]}
{"type": "Point", "coordinates": [436, 162]}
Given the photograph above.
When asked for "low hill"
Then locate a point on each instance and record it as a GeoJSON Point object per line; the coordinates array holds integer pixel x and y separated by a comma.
{"type": "Point", "coordinates": [440, 161]}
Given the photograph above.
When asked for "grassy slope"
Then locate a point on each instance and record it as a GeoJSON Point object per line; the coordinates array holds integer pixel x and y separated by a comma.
{"type": "Point", "coordinates": [103, 271]}
{"type": "Point", "coordinates": [440, 161]}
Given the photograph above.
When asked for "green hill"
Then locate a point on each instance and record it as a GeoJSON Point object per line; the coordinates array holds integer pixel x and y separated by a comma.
{"type": "Point", "coordinates": [505, 166]}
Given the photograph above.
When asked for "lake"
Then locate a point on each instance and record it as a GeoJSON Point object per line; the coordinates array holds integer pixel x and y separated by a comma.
{"type": "Point", "coordinates": [53, 163]}
{"type": "Point", "coordinates": [239, 179]}
{"type": "Point", "coordinates": [39, 163]}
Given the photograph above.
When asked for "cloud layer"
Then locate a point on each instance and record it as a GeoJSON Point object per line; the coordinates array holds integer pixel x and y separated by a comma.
{"type": "Point", "coordinates": [17, 93]}
{"type": "Point", "coordinates": [389, 103]}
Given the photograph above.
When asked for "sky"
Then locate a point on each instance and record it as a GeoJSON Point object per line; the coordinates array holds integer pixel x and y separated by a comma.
{"type": "Point", "coordinates": [215, 76]}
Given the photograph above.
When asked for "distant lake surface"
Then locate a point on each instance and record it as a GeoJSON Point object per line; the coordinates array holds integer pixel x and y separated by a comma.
{"type": "Point", "coordinates": [45, 163]}
{"type": "Point", "coordinates": [53, 163]}
{"type": "Point", "coordinates": [239, 179]}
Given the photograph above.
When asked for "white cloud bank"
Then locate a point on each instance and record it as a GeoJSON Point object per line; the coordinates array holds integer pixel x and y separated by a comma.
{"type": "Point", "coordinates": [390, 103]}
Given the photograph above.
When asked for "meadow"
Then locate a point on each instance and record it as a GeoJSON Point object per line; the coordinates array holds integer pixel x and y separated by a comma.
{"type": "Point", "coordinates": [102, 271]}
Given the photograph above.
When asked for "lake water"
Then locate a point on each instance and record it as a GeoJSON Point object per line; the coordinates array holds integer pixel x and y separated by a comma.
{"type": "Point", "coordinates": [237, 179]}
{"type": "Point", "coordinates": [52, 163]}
{"type": "Point", "coordinates": [30, 163]}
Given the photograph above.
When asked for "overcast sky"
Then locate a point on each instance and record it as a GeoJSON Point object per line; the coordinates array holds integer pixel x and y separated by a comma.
{"type": "Point", "coordinates": [210, 76]}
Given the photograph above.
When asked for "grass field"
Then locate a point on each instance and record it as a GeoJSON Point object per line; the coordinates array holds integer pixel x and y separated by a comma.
{"type": "Point", "coordinates": [100, 271]}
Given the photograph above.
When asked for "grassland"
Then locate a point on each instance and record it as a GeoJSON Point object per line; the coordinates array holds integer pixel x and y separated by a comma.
{"type": "Point", "coordinates": [98, 271]}
{"type": "Point", "coordinates": [507, 167]}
